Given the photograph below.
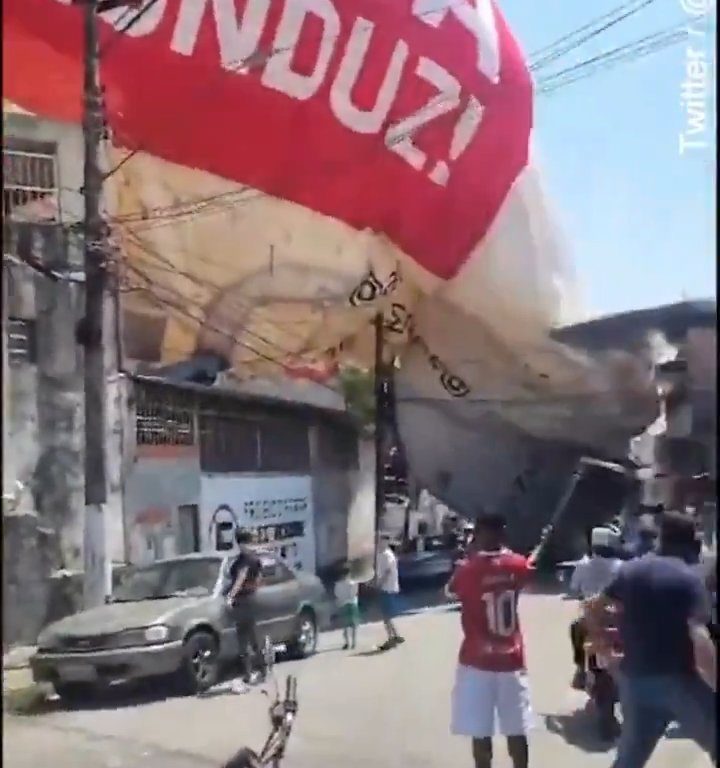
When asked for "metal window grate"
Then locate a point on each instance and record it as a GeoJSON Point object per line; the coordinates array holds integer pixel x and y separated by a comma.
{"type": "Point", "coordinates": [30, 188]}
{"type": "Point", "coordinates": [164, 418]}
{"type": "Point", "coordinates": [284, 445]}
{"type": "Point", "coordinates": [228, 443]}
{"type": "Point", "coordinates": [21, 342]}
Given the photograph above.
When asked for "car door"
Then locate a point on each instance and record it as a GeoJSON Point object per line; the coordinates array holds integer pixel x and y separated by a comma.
{"type": "Point", "coordinates": [278, 599]}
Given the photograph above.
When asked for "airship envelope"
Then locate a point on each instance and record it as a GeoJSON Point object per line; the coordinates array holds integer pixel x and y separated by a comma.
{"type": "Point", "coordinates": [283, 170]}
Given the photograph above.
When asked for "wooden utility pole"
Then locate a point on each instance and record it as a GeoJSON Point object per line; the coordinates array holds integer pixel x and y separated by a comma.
{"type": "Point", "coordinates": [91, 331]}
{"type": "Point", "coordinates": [379, 429]}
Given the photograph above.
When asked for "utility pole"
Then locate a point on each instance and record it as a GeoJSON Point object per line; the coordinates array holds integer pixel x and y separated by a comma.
{"type": "Point", "coordinates": [8, 480]}
{"type": "Point", "coordinates": [97, 577]}
{"type": "Point", "coordinates": [379, 430]}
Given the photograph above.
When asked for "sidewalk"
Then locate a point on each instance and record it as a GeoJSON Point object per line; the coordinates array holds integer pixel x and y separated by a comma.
{"type": "Point", "coordinates": [20, 693]}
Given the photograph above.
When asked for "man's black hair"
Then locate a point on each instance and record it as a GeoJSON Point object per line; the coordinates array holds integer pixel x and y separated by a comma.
{"type": "Point", "coordinates": [243, 536]}
{"type": "Point", "coordinates": [677, 532]}
{"type": "Point", "coordinates": [491, 521]}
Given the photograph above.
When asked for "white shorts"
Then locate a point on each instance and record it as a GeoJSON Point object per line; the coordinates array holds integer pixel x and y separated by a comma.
{"type": "Point", "coordinates": [479, 695]}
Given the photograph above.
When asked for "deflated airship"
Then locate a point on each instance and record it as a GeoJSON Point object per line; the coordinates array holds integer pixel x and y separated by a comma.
{"type": "Point", "coordinates": [285, 170]}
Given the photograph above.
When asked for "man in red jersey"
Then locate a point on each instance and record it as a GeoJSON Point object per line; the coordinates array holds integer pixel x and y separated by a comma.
{"type": "Point", "coordinates": [491, 677]}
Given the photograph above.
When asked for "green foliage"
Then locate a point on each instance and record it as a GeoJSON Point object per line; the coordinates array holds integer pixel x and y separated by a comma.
{"type": "Point", "coordinates": [358, 387]}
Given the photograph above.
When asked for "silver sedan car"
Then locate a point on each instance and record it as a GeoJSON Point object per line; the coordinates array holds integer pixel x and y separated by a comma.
{"type": "Point", "coordinates": [170, 618]}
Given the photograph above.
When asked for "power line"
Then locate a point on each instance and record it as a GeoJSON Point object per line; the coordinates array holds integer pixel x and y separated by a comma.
{"type": "Point", "coordinates": [169, 266]}
{"type": "Point", "coordinates": [545, 49]}
{"type": "Point", "coordinates": [178, 209]}
{"type": "Point", "coordinates": [628, 52]}
{"type": "Point", "coordinates": [172, 268]}
{"type": "Point", "coordinates": [648, 50]}
{"type": "Point", "coordinates": [182, 307]}
{"type": "Point", "coordinates": [117, 167]}
{"type": "Point", "coordinates": [615, 17]}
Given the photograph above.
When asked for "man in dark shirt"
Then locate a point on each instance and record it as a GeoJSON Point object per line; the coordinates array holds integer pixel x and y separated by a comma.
{"type": "Point", "coordinates": [662, 608]}
{"type": "Point", "coordinates": [244, 577]}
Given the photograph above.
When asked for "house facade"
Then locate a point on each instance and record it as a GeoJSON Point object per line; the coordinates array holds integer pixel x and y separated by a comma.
{"type": "Point", "coordinates": [202, 461]}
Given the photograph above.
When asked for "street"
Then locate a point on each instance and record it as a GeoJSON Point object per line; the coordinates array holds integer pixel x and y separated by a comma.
{"type": "Point", "coordinates": [357, 710]}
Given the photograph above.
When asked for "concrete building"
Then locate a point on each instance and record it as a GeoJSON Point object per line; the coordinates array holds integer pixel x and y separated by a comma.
{"type": "Point", "coordinates": [43, 473]}
{"type": "Point", "coordinates": [201, 461]}
{"type": "Point", "coordinates": [683, 472]}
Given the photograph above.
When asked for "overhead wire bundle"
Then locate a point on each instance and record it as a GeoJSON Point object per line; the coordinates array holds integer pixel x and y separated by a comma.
{"type": "Point", "coordinates": [629, 52]}
{"type": "Point", "coordinates": [577, 37]}
{"type": "Point", "coordinates": [625, 53]}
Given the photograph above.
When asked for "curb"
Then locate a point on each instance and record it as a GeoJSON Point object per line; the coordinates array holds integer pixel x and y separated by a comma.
{"type": "Point", "coordinates": [18, 657]}
{"type": "Point", "coordinates": [21, 694]}
{"type": "Point", "coordinates": [26, 701]}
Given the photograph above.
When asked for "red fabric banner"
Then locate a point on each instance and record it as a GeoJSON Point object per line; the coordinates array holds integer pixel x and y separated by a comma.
{"type": "Point", "coordinates": [411, 118]}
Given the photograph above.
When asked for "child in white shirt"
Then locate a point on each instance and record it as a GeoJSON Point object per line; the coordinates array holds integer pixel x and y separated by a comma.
{"type": "Point", "coordinates": [346, 596]}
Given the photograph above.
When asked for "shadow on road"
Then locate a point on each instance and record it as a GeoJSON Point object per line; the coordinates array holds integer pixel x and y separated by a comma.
{"type": "Point", "coordinates": [578, 729]}
{"type": "Point", "coordinates": [136, 694]}
{"type": "Point", "coordinates": [412, 599]}
{"type": "Point", "coordinates": [372, 652]}
{"type": "Point", "coordinates": [116, 697]}
{"type": "Point", "coordinates": [419, 596]}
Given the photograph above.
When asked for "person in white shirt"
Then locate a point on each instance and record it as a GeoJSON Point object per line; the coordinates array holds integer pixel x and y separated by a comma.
{"type": "Point", "coordinates": [591, 576]}
{"type": "Point", "coordinates": [346, 597]}
{"type": "Point", "coordinates": [388, 585]}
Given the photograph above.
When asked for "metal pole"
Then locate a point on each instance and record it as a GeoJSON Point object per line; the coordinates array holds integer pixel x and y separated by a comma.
{"type": "Point", "coordinates": [96, 563]}
{"type": "Point", "coordinates": [379, 430]}
{"type": "Point", "coordinates": [8, 467]}
{"type": "Point", "coordinates": [549, 529]}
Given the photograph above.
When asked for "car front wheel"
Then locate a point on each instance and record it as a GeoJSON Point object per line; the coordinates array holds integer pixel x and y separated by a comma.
{"type": "Point", "coordinates": [304, 642]}
{"type": "Point", "coordinates": [201, 663]}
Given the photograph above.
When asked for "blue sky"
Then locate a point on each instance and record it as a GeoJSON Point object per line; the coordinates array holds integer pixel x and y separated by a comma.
{"type": "Point", "coordinates": [639, 218]}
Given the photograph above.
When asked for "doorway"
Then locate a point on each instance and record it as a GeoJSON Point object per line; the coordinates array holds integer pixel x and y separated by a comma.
{"type": "Point", "coordinates": [188, 529]}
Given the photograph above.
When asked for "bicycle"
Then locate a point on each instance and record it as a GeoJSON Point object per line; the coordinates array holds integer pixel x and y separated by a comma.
{"type": "Point", "coordinates": [282, 716]}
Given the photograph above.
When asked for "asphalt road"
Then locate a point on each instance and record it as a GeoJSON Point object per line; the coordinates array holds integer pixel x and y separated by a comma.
{"type": "Point", "coordinates": [357, 710]}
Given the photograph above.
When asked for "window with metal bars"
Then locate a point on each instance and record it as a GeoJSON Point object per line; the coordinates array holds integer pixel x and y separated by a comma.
{"type": "Point", "coordinates": [228, 443]}
{"type": "Point", "coordinates": [284, 445]}
{"type": "Point", "coordinates": [30, 186]}
{"type": "Point", "coordinates": [164, 418]}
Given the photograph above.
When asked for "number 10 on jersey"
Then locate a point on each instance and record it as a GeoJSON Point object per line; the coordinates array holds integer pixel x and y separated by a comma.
{"type": "Point", "coordinates": [501, 609]}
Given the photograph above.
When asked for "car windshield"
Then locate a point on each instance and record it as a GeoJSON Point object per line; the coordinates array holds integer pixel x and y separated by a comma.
{"type": "Point", "coordinates": [174, 578]}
